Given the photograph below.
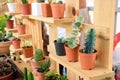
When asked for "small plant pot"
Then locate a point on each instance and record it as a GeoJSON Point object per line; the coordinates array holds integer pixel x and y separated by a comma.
{"type": "Point", "coordinates": [41, 76]}
{"type": "Point", "coordinates": [58, 10]}
{"type": "Point", "coordinates": [28, 52]}
{"type": "Point", "coordinates": [34, 64]}
{"type": "Point", "coordinates": [11, 7]}
{"type": "Point", "coordinates": [46, 10]}
{"type": "Point", "coordinates": [9, 24]}
{"type": "Point", "coordinates": [21, 29]}
{"type": "Point", "coordinates": [36, 9]}
{"type": "Point", "coordinates": [7, 77]}
{"type": "Point", "coordinates": [59, 47]}
{"type": "Point", "coordinates": [26, 9]}
{"type": "Point", "coordinates": [16, 44]}
{"type": "Point", "coordinates": [87, 60]}
{"type": "Point", "coordinates": [72, 53]}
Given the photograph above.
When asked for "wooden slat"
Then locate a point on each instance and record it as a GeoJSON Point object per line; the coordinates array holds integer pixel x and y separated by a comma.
{"type": "Point", "coordinates": [25, 36]}
{"type": "Point", "coordinates": [21, 16]}
{"type": "Point", "coordinates": [10, 13]}
{"type": "Point", "coordinates": [11, 30]}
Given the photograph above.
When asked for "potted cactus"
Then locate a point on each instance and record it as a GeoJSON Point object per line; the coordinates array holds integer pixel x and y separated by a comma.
{"type": "Point", "coordinates": [25, 7]}
{"type": "Point", "coordinates": [72, 46]}
{"type": "Point", "coordinates": [88, 53]}
{"type": "Point", "coordinates": [58, 9]}
{"type": "Point", "coordinates": [46, 9]}
{"type": "Point", "coordinates": [27, 49]}
{"type": "Point", "coordinates": [28, 76]}
{"type": "Point", "coordinates": [59, 46]}
{"type": "Point", "coordinates": [9, 22]}
{"type": "Point", "coordinates": [43, 68]}
{"type": "Point", "coordinates": [11, 5]}
{"type": "Point", "coordinates": [21, 27]}
{"type": "Point", "coordinates": [16, 42]}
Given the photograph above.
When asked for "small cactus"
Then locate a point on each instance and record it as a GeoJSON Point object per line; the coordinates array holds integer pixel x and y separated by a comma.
{"type": "Point", "coordinates": [89, 41]}
{"type": "Point", "coordinates": [25, 74]}
{"type": "Point", "coordinates": [30, 76]}
{"type": "Point", "coordinates": [61, 40]}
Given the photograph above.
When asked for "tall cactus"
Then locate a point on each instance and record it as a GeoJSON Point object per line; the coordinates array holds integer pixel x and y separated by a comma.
{"type": "Point", "coordinates": [25, 74]}
{"type": "Point", "coordinates": [30, 76]}
{"type": "Point", "coordinates": [89, 41]}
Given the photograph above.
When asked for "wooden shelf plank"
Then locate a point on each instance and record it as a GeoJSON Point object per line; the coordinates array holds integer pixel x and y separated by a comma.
{"type": "Point", "coordinates": [11, 13]}
{"type": "Point", "coordinates": [11, 30]}
{"type": "Point", "coordinates": [23, 36]}
{"type": "Point", "coordinates": [25, 59]}
{"type": "Point", "coordinates": [51, 20]}
{"type": "Point", "coordinates": [97, 73]}
{"type": "Point", "coordinates": [21, 16]}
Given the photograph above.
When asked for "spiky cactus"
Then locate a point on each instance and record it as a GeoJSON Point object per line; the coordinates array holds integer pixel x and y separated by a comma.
{"type": "Point", "coordinates": [30, 76]}
{"type": "Point", "coordinates": [25, 74]}
{"type": "Point", "coordinates": [89, 41]}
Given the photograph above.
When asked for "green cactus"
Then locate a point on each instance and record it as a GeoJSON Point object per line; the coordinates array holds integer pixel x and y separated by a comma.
{"type": "Point", "coordinates": [61, 40]}
{"type": "Point", "coordinates": [89, 41]}
{"type": "Point", "coordinates": [38, 55]}
{"type": "Point", "coordinates": [25, 74]}
{"type": "Point", "coordinates": [30, 76]}
{"type": "Point", "coordinates": [24, 1]}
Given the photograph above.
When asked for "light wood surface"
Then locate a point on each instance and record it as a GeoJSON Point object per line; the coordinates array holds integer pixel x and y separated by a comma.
{"type": "Point", "coordinates": [11, 30]}
{"type": "Point", "coordinates": [11, 13]}
{"type": "Point", "coordinates": [24, 36]}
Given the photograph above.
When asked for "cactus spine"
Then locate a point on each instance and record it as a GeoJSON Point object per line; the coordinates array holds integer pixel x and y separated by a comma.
{"type": "Point", "coordinates": [25, 74]}
{"type": "Point", "coordinates": [89, 41]}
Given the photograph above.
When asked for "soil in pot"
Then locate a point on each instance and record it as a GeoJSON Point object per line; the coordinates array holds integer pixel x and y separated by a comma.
{"type": "Point", "coordinates": [59, 47]}
{"type": "Point", "coordinates": [7, 77]}
{"type": "Point", "coordinates": [26, 9]}
{"type": "Point", "coordinates": [87, 61]}
{"type": "Point", "coordinates": [9, 24]}
{"type": "Point", "coordinates": [72, 53]}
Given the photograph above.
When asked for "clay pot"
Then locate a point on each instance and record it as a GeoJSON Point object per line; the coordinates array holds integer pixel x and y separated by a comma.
{"type": "Point", "coordinates": [26, 9]}
{"type": "Point", "coordinates": [9, 24]}
{"type": "Point", "coordinates": [82, 4]}
{"type": "Point", "coordinates": [21, 29]}
{"type": "Point", "coordinates": [4, 47]}
{"type": "Point", "coordinates": [28, 52]}
{"type": "Point", "coordinates": [16, 44]}
{"type": "Point", "coordinates": [41, 76]}
{"type": "Point", "coordinates": [46, 10]}
{"type": "Point", "coordinates": [7, 77]}
{"type": "Point", "coordinates": [87, 60]}
{"type": "Point", "coordinates": [72, 53]}
{"type": "Point", "coordinates": [58, 10]}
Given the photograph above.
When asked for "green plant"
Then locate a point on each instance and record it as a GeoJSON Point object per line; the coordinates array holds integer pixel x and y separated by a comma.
{"type": "Point", "coordinates": [49, 1]}
{"type": "Point", "coordinates": [24, 1]}
{"type": "Point", "coordinates": [44, 67]}
{"type": "Point", "coordinates": [72, 40]}
{"type": "Point", "coordinates": [89, 43]}
{"type": "Point", "coordinates": [41, 1]}
{"type": "Point", "coordinates": [7, 17]}
{"type": "Point", "coordinates": [26, 44]}
{"type": "Point", "coordinates": [38, 55]}
{"type": "Point", "coordinates": [15, 39]}
{"type": "Point", "coordinates": [20, 22]}
{"type": "Point", "coordinates": [10, 1]}
{"type": "Point", "coordinates": [58, 2]}
{"type": "Point", "coordinates": [28, 76]}
{"type": "Point", "coordinates": [2, 23]}
{"type": "Point", "coordinates": [61, 40]}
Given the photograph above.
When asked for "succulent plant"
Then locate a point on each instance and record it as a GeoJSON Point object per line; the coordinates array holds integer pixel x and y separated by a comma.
{"type": "Point", "coordinates": [89, 43]}
{"type": "Point", "coordinates": [7, 17]}
{"type": "Point", "coordinates": [24, 1]}
{"type": "Point", "coordinates": [10, 1]}
{"type": "Point", "coordinates": [58, 2]}
{"type": "Point", "coordinates": [38, 55]}
{"type": "Point", "coordinates": [41, 1]}
{"type": "Point", "coordinates": [15, 39]}
{"type": "Point", "coordinates": [61, 40]}
{"type": "Point", "coordinates": [26, 44]}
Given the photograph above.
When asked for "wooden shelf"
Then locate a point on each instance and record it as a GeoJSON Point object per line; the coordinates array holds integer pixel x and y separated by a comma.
{"type": "Point", "coordinates": [23, 36]}
{"type": "Point", "coordinates": [11, 13]}
{"type": "Point", "coordinates": [52, 20]}
{"type": "Point", "coordinates": [21, 16]}
{"type": "Point", "coordinates": [11, 30]}
{"type": "Point", "coordinates": [25, 59]}
{"type": "Point", "coordinates": [97, 73]}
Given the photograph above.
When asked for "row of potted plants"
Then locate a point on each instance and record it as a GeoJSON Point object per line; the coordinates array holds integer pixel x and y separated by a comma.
{"type": "Point", "coordinates": [72, 47]}
{"type": "Point", "coordinates": [49, 9]}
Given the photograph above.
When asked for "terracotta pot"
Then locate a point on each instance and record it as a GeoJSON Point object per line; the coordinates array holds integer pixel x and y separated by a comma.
{"type": "Point", "coordinates": [28, 52]}
{"type": "Point", "coordinates": [21, 29]}
{"type": "Point", "coordinates": [72, 54]}
{"type": "Point", "coordinates": [26, 9]}
{"type": "Point", "coordinates": [82, 4]}
{"type": "Point", "coordinates": [46, 10]}
{"type": "Point", "coordinates": [33, 64]}
{"type": "Point", "coordinates": [7, 77]}
{"type": "Point", "coordinates": [87, 60]}
{"type": "Point", "coordinates": [4, 47]}
{"type": "Point", "coordinates": [58, 10]}
{"type": "Point", "coordinates": [9, 24]}
{"type": "Point", "coordinates": [16, 44]}
{"type": "Point", "coordinates": [41, 76]}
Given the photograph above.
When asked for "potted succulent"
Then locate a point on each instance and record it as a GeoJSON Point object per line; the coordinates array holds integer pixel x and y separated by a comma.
{"type": "Point", "coordinates": [59, 46]}
{"type": "Point", "coordinates": [11, 5]}
{"type": "Point", "coordinates": [46, 9]}
{"type": "Point", "coordinates": [88, 53]}
{"type": "Point", "coordinates": [9, 22]}
{"type": "Point", "coordinates": [21, 27]}
{"type": "Point", "coordinates": [72, 46]}
{"type": "Point", "coordinates": [36, 8]}
{"type": "Point", "coordinates": [28, 76]}
{"type": "Point", "coordinates": [6, 72]}
{"type": "Point", "coordinates": [25, 7]}
{"type": "Point", "coordinates": [43, 68]}
{"type": "Point", "coordinates": [58, 9]}
{"type": "Point", "coordinates": [16, 42]}
{"type": "Point", "coordinates": [27, 49]}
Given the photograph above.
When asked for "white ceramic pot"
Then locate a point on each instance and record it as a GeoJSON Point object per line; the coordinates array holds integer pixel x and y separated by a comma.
{"type": "Point", "coordinates": [11, 7]}
{"type": "Point", "coordinates": [36, 9]}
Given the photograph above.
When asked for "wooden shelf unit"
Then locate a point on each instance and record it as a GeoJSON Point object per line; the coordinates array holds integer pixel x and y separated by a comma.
{"type": "Point", "coordinates": [11, 13]}
{"type": "Point", "coordinates": [22, 36]}
{"type": "Point", "coordinates": [11, 30]}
